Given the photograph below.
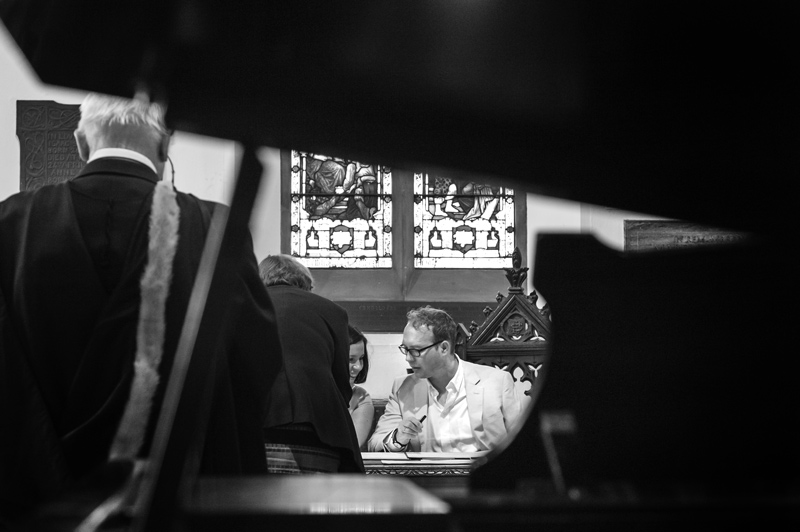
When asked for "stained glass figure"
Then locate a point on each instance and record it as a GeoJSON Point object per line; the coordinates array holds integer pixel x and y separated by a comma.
{"type": "Point", "coordinates": [341, 212]}
{"type": "Point", "coordinates": [461, 224]}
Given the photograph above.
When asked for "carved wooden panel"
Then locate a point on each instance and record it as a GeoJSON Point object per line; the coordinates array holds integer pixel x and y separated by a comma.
{"type": "Point", "coordinates": [48, 153]}
{"type": "Point", "coordinates": [514, 336]}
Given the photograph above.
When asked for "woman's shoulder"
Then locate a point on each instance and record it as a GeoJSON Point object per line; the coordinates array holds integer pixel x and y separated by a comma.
{"type": "Point", "coordinates": [361, 393]}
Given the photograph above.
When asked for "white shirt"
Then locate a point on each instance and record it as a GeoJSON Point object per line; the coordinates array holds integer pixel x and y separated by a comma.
{"type": "Point", "coordinates": [122, 153]}
{"type": "Point", "coordinates": [448, 428]}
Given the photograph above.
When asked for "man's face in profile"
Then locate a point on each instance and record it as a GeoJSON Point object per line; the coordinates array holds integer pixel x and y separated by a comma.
{"type": "Point", "coordinates": [431, 361]}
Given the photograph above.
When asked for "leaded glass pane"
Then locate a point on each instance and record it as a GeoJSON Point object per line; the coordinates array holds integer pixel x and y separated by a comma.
{"type": "Point", "coordinates": [341, 212]}
{"type": "Point", "coordinates": [461, 224]}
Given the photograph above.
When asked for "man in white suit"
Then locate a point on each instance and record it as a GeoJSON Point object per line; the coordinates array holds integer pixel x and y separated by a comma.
{"type": "Point", "coordinates": [446, 404]}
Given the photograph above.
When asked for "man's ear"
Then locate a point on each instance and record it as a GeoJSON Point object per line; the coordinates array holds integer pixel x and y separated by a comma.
{"type": "Point", "coordinates": [445, 345]}
{"type": "Point", "coordinates": [163, 148]}
{"type": "Point", "coordinates": [83, 145]}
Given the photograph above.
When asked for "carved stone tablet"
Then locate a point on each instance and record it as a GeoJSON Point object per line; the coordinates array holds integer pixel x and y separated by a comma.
{"type": "Point", "coordinates": [641, 235]}
{"type": "Point", "coordinates": [48, 153]}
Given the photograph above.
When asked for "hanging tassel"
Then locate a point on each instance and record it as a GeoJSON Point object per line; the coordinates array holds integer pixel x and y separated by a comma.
{"type": "Point", "coordinates": [154, 285]}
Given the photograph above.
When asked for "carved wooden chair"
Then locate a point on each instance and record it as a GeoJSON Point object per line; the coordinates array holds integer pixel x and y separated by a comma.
{"type": "Point", "coordinates": [514, 336]}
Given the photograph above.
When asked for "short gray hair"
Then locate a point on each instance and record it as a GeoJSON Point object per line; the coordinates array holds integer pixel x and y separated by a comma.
{"type": "Point", "coordinates": [104, 110]}
{"type": "Point", "coordinates": [285, 269]}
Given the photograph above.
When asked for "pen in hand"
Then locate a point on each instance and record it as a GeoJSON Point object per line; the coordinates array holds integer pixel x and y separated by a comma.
{"type": "Point", "coordinates": [423, 418]}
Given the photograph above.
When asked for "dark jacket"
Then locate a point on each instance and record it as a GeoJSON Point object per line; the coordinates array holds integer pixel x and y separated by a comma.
{"type": "Point", "coordinates": [314, 386]}
{"type": "Point", "coordinates": [71, 258]}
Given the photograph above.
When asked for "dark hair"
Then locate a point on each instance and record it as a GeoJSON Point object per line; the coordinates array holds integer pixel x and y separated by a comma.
{"type": "Point", "coordinates": [355, 337]}
{"type": "Point", "coordinates": [440, 323]}
{"type": "Point", "coordinates": [285, 269]}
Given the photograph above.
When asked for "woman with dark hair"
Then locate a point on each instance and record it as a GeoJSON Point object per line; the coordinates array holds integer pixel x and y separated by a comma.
{"type": "Point", "coordinates": [308, 428]}
{"type": "Point", "coordinates": [361, 408]}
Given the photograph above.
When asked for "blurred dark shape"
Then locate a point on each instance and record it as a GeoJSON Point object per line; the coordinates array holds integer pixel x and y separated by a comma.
{"type": "Point", "coordinates": [680, 109]}
{"type": "Point", "coordinates": [670, 374]}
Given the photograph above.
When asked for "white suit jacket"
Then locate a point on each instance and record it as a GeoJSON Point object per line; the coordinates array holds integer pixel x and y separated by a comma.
{"type": "Point", "coordinates": [492, 403]}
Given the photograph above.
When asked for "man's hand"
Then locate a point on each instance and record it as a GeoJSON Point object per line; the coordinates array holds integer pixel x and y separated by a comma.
{"type": "Point", "coordinates": [408, 429]}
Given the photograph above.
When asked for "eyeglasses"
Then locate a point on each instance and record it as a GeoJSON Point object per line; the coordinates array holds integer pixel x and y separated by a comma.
{"type": "Point", "coordinates": [416, 353]}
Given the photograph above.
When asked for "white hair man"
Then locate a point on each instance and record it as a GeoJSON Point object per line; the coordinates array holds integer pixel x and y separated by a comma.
{"type": "Point", "coordinates": [95, 279]}
{"type": "Point", "coordinates": [132, 129]}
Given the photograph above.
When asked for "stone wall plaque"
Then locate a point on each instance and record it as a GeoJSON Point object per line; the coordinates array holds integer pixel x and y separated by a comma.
{"type": "Point", "coordinates": [48, 153]}
{"type": "Point", "coordinates": [643, 235]}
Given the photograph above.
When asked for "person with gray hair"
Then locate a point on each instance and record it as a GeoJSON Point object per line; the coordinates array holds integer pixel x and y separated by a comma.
{"type": "Point", "coordinates": [308, 427]}
{"type": "Point", "coordinates": [96, 274]}
{"type": "Point", "coordinates": [111, 123]}
{"type": "Point", "coordinates": [446, 404]}
{"type": "Point", "coordinates": [285, 270]}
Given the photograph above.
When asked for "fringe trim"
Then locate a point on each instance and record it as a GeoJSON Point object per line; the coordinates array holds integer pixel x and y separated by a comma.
{"type": "Point", "coordinates": [154, 285]}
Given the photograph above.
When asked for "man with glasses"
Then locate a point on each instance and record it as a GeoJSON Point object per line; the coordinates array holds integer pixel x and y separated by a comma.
{"type": "Point", "coordinates": [445, 404]}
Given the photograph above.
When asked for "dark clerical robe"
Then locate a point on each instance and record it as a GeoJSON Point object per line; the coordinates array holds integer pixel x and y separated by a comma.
{"type": "Point", "coordinates": [71, 260]}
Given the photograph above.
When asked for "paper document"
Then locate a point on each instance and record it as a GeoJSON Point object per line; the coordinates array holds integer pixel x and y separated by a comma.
{"type": "Point", "coordinates": [412, 463]}
{"type": "Point", "coordinates": [445, 456]}
{"type": "Point", "coordinates": [422, 456]}
{"type": "Point", "coordinates": [384, 456]}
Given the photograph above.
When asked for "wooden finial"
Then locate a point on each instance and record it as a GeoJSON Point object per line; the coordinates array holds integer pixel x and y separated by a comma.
{"type": "Point", "coordinates": [517, 274]}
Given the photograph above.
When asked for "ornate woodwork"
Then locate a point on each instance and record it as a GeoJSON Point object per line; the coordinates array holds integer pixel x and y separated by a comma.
{"type": "Point", "coordinates": [514, 336]}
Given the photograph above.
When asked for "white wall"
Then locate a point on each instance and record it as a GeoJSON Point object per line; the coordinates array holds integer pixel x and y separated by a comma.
{"type": "Point", "coordinates": [204, 166]}
{"type": "Point", "coordinates": [608, 224]}
{"type": "Point", "coordinates": [385, 363]}
{"type": "Point", "coordinates": [265, 222]}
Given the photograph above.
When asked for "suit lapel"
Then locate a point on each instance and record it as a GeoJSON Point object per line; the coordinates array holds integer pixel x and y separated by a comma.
{"type": "Point", "coordinates": [420, 409]}
{"type": "Point", "coordinates": [474, 390]}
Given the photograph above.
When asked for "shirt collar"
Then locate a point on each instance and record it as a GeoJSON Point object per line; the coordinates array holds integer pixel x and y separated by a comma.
{"type": "Point", "coordinates": [122, 153]}
{"type": "Point", "coordinates": [455, 383]}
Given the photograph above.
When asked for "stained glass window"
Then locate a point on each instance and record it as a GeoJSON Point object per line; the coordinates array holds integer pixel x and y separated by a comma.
{"type": "Point", "coordinates": [341, 212]}
{"type": "Point", "coordinates": [459, 223]}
